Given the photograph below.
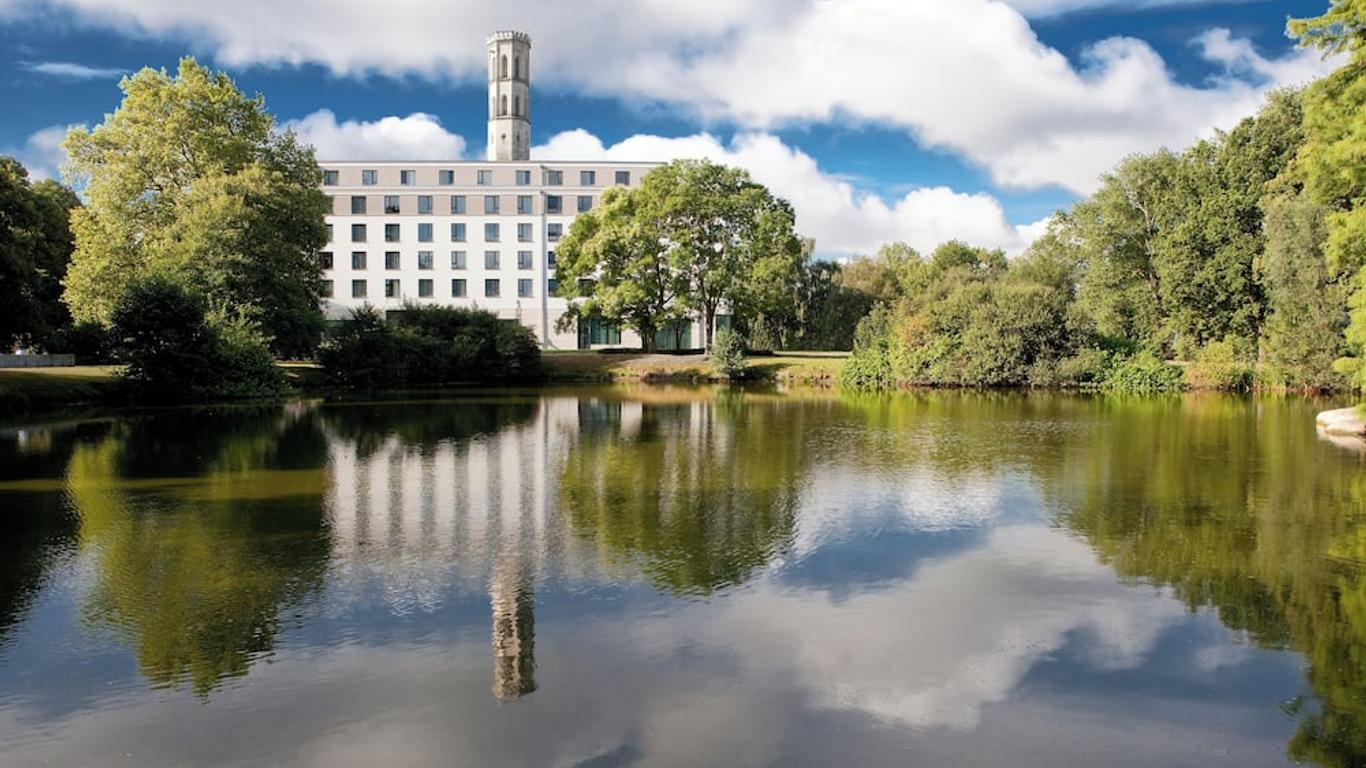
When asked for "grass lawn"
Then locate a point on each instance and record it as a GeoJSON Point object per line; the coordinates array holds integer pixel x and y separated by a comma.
{"type": "Point", "coordinates": [818, 368]}
{"type": "Point", "coordinates": [24, 389]}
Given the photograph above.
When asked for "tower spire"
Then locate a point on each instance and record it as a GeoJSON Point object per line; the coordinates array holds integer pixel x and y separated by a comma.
{"type": "Point", "coordinates": [509, 96]}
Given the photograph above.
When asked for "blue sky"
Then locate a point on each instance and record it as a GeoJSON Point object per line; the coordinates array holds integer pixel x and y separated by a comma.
{"type": "Point", "coordinates": [918, 120]}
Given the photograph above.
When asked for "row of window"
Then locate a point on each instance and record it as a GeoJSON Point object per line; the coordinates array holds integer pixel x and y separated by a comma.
{"type": "Point", "coordinates": [393, 289]}
{"type": "Point", "coordinates": [492, 204]}
{"type": "Point", "coordinates": [493, 232]}
{"type": "Point", "coordinates": [482, 177]}
{"type": "Point", "coordinates": [427, 260]}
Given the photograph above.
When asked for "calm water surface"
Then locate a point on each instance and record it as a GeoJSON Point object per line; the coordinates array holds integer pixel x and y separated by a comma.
{"type": "Point", "coordinates": [685, 577]}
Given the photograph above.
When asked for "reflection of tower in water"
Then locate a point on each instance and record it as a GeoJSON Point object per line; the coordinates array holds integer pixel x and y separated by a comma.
{"type": "Point", "coordinates": [514, 628]}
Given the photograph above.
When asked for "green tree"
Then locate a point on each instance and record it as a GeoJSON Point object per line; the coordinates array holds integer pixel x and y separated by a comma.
{"type": "Point", "coordinates": [190, 177]}
{"type": "Point", "coordinates": [176, 349]}
{"type": "Point", "coordinates": [1332, 161]}
{"type": "Point", "coordinates": [614, 263]}
{"type": "Point", "coordinates": [35, 248]}
{"type": "Point", "coordinates": [693, 237]}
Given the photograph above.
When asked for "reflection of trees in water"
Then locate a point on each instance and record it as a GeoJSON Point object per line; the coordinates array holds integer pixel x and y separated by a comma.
{"type": "Point", "coordinates": [423, 425]}
{"type": "Point", "coordinates": [1226, 503]}
{"type": "Point", "coordinates": [203, 526]}
{"type": "Point", "coordinates": [36, 525]}
{"type": "Point", "coordinates": [698, 494]}
{"type": "Point", "coordinates": [514, 628]}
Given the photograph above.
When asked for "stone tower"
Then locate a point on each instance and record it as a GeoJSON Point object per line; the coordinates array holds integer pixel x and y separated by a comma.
{"type": "Point", "coordinates": [509, 96]}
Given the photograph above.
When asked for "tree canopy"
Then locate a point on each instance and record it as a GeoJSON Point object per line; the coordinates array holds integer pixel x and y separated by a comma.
{"type": "Point", "coordinates": [693, 238]}
{"type": "Point", "coordinates": [35, 248]}
{"type": "Point", "coordinates": [190, 178]}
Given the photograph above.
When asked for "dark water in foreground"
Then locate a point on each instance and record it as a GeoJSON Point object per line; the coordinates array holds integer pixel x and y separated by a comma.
{"type": "Point", "coordinates": [685, 577]}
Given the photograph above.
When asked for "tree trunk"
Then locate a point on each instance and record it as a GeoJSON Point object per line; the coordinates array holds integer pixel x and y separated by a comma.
{"type": "Point", "coordinates": [647, 339]}
{"type": "Point", "coordinates": [708, 317]}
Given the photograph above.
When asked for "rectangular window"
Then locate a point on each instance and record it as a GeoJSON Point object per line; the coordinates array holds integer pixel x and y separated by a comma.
{"type": "Point", "coordinates": [329, 233]}
{"type": "Point", "coordinates": [330, 178]}
{"type": "Point", "coordinates": [585, 203]}
{"type": "Point", "coordinates": [524, 288]}
{"type": "Point", "coordinates": [624, 178]}
{"type": "Point", "coordinates": [357, 233]}
{"type": "Point", "coordinates": [358, 259]}
{"type": "Point", "coordinates": [524, 178]}
{"type": "Point", "coordinates": [424, 289]}
{"type": "Point", "coordinates": [588, 178]}
{"type": "Point", "coordinates": [424, 232]}
{"type": "Point", "coordinates": [490, 233]}
{"type": "Point", "coordinates": [490, 287]}
{"type": "Point", "coordinates": [391, 233]}
{"type": "Point", "coordinates": [391, 260]}
{"type": "Point", "coordinates": [358, 289]}
{"type": "Point", "coordinates": [357, 204]}
{"type": "Point", "coordinates": [369, 178]}
{"type": "Point", "coordinates": [524, 204]}
{"type": "Point", "coordinates": [524, 232]}
{"type": "Point", "coordinates": [325, 290]}
{"type": "Point", "coordinates": [551, 286]}
{"type": "Point", "coordinates": [490, 259]}
{"type": "Point", "coordinates": [552, 204]}
{"type": "Point", "coordinates": [490, 203]}
{"type": "Point", "coordinates": [407, 178]}
{"type": "Point", "coordinates": [554, 178]}
{"type": "Point", "coordinates": [458, 232]}
{"type": "Point", "coordinates": [550, 260]}
{"type": "Point", "coordinates": [391, 203]}
{"type": "Point", "coordinates": [446, 178]}
{"type": "Point", "coordinates": [484, 178]}
{"type": "Point", "coordinates": [424, 203]}
{"type": "Point", "coordinates": [457, 203]}
{"type": "Point", "coordinates": [424, 260]}
{"type": "Point", "coordinates": [524, 259]}
{"type": "Point", "coordinates": [457, 259]}
{"type": "Point", "coordinates": [391, 289]}
{"type": "Point", "coordinates": [458, 288]}
{"type": "Point", "coordinates": [554, 231]}
{"type": "Point", "coordinates": [325, 260]}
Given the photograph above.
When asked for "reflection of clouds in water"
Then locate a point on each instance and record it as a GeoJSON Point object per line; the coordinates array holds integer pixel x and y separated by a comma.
{"type": "Point", "coordinates": [841, 502]}
{"type": "Point", "coordinates": [763, 675]}
{"type": "Point", "coordinates": [961, 634]}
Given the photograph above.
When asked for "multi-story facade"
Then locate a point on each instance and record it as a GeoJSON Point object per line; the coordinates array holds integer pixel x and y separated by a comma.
{"type": "Point", "coordinates": [477, 234]}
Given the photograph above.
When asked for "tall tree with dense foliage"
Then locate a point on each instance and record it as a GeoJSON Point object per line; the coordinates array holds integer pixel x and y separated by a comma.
{"type": "Point", "coordinates": [1332, 162]}
{"type": "Point", "coordinates": [692, 238]}
{"type": "Point", "coordinates": [615, 264]}
{"type": "Point", "coordinates": [35, 248]}
{"type": "Point", "coordinates": [189, 177]}
{"type": "Point", "coordinates": [733, 241]}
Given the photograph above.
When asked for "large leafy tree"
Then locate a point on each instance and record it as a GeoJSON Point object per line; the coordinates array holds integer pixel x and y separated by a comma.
{"type": "Point", "coordinates": [35, 248]}
{"type": "Point", "coordinates": [1332, 162]}
{"type": "Point", "coordinates": [734, 243]}
{"type": "Point", "coordinates": [615, 264]}
{"type": "Point", "coordinates": [692, 238]}
{"type": "Point", "coordinates": [190, 177]}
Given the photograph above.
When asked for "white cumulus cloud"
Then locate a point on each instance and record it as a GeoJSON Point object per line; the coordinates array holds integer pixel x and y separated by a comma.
{"type": "Point", "coordinates": [41, 153]}
{"type": "Point", "coordinates": [967, 76]}
{"type": "Point", "coordinates": [842, 218]}
{"type": "Point", "coordinates": [418, 136]}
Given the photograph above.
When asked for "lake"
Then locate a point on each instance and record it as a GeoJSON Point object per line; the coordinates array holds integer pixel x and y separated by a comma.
{"type": "Point", "coordinates": [679, 576]}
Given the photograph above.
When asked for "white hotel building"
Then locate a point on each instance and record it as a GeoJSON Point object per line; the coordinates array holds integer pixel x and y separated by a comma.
{"type": "Point", "coordinates": [474, 234]}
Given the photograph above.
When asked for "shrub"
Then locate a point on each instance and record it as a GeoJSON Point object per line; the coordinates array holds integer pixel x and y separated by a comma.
{"type": "Point", "coordinates": [429, 345]}
{"type": "Point", "coordinates": [870, 366]}
{"type": "Point", "coordinates": [728, 354]}
{"type": "Point", "coordinates": [1222, 365]}
{"type": "Point", "coordinates": [1142, 373]}
{"type": "Point", "coordinates": [175, 349]}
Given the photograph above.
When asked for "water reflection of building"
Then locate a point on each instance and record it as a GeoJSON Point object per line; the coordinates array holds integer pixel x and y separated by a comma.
{"type": "Point", "coordinates": [514, 629]}
{"type": "Point", "coordinates": [421, 519]}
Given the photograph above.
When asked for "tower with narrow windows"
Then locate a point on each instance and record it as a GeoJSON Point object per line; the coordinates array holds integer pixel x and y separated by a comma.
{"type": "Point", "coordinates": [509, 96]}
